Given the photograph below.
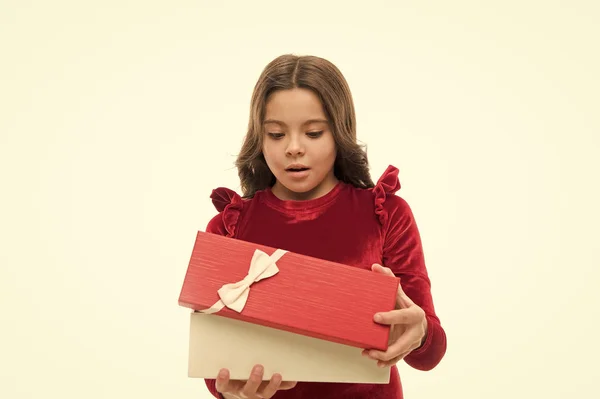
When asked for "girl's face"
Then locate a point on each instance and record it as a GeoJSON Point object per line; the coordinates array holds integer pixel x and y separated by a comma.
{"type": "Point", "coordinates": [298, 145]}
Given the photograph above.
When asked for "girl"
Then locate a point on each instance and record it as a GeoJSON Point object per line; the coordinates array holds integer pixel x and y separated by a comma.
{"type": "Point", "coordinates": [307, 189]}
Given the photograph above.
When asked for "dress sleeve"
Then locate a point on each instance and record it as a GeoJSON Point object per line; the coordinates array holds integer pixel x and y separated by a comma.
{"type": "Point", "coordinates": [229, 205]}
{"type": "Point", "coordinates": [403, 254]}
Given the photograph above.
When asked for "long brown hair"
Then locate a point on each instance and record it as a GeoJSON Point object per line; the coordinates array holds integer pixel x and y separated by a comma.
{"type": "Point", "coordinates": [327, 82]}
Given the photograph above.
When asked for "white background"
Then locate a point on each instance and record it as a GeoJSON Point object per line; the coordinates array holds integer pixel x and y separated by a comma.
{"type": "Point", "coordinates": [118, 118]}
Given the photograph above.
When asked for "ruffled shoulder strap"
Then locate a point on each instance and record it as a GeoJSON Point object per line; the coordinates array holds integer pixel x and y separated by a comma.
{"type": "Point", "coordinates": [387, 185]}
{"type": "Point", "coordinates": [230, 204]}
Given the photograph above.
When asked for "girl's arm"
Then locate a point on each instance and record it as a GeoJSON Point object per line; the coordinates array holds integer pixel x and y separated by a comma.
{"type": "Point", "coordinates": [403, 254]}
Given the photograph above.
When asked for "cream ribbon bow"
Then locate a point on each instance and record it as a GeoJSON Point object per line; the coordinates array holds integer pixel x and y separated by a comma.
{"type": "Point", "coordinates": [235, 295]}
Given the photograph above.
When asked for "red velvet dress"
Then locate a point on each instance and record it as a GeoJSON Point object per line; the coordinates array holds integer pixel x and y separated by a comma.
{"type": "Point", "coordinates": [356, 227]}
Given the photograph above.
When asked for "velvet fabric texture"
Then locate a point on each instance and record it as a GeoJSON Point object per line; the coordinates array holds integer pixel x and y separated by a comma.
{"type": "Point", "coordinates": [356, 227]}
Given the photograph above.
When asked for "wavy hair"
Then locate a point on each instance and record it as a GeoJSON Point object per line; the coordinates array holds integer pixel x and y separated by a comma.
{"type": "Point", "coordinates": [327, 82]}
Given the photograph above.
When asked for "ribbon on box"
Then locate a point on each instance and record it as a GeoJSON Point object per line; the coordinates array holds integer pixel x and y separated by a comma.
{"type": "Point", "coordinates": [235, 295]}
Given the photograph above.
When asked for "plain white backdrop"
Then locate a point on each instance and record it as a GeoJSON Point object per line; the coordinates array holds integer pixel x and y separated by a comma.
{"type": "Point", "coordinates": [117, 119]}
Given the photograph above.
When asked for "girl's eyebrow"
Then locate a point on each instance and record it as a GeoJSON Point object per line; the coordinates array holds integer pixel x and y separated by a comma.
{"type": "Point", "coordinates": [308, 122]}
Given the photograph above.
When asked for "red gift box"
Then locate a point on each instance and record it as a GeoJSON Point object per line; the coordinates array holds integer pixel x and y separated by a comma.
{"type": "Point", "coordinates": [288, 291]}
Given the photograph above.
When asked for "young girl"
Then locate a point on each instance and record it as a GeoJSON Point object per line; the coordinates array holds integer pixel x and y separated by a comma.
{"type": "Point", "coordinates": [307, 189]}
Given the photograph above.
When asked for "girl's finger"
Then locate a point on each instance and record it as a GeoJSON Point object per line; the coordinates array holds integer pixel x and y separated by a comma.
{"type": "Point", "coordinates": [222, 383]}
{"type": "Point", "coordinates": [403, 299]}
{"type": "Point", "coordinates": [398, 316]}
{"type": "Point", "coordinates": [286, 385]}
{"type": "Point", "coordinates": [272, 387]}
{"type": "Point", "coordinates": [388, 363]}
{"type": "Point", "coordinates": [253, 382]}
{"type": "Point", "coordinates": [383, 270]}
{"type": "Point", "coordinates": [393, 361]}
{"type": "Point", "coordinates": [404, 344]}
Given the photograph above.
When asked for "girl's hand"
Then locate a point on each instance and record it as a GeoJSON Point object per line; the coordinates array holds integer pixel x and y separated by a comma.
{"type": "Point", "coordinates": [408, 327]}
{"type": "Point", "coordinates": [254, 387]}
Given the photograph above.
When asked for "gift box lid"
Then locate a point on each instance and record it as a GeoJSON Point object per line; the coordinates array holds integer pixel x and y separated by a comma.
{"type": "Point", "coordinates": [288, 291]}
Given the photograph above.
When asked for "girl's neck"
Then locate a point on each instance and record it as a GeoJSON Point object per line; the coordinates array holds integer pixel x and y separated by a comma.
{"type": "Point", "coordinates": [322, 189]}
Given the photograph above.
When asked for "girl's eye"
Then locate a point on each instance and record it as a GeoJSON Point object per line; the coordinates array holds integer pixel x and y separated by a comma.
{"type": "Point", "coordinates": [314, 134]}
{"type": "Point", "coordinates": [276, 135]}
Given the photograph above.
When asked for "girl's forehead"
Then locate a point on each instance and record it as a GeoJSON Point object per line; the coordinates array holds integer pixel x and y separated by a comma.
{"type": "Point", "coordinates": [296, 106]}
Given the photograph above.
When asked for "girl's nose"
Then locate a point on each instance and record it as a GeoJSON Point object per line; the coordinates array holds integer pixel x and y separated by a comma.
{"type": "Point", "coordinates": [294, 147]}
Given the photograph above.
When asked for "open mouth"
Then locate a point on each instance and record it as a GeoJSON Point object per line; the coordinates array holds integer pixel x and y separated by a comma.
{"type": "Point", "coordinates": [296, 169]}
